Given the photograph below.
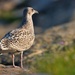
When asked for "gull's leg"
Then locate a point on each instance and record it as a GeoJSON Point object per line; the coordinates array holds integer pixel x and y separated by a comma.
{"type": "Point", "coordinates": [22, 59]}
{"type": "Point", "coordinates": [13, 57]}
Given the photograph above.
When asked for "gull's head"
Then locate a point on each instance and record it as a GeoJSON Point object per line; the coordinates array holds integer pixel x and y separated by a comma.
{"type": "Point", "coordinates": [29, 11]}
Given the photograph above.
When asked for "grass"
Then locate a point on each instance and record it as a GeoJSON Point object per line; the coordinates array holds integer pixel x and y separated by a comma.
{"type": "Point", "coordinates": [57, 63]}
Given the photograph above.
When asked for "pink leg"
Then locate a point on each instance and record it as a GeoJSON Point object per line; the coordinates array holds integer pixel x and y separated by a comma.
{"type": "Point", "coordinates": [13, 60]}
{"type": "Point", "coordinates": [22, 59]}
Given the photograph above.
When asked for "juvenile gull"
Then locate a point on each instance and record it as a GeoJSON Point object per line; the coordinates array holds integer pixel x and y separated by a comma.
{"type": "Point", "coordinates": [21, 38]}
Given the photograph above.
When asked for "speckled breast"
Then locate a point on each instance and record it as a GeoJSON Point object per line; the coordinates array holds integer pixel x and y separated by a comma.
{"type": "Point", "coordinates": [22, 43]}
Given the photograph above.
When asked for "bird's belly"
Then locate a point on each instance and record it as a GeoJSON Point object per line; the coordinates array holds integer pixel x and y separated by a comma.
{"type": "Point", "coordinates": [22, 44]}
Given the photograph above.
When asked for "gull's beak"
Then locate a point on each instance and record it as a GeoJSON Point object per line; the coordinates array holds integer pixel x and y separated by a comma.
{"type": "Point", "coordinates": [36, 12]}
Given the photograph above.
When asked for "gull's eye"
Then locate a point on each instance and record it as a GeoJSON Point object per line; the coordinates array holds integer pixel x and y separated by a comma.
{"type": "Point", "coordinates": [32, 9]}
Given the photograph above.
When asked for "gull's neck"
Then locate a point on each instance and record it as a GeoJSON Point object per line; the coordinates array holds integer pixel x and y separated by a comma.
{"type": "Point", "coordinates": [27, 23]}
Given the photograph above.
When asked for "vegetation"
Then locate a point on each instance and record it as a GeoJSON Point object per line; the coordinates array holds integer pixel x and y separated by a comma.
{"type": "Point", "coordinates": [8, 17]}
{"type": "Point", "coordinates": [56, 63]}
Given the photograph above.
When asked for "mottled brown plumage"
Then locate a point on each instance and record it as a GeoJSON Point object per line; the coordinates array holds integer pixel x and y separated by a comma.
{"type": "Point", "coordinates": [22, 38]}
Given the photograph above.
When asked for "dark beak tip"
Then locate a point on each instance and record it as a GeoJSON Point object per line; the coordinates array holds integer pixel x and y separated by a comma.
{"type": "Point", "coordinates": [37, 12]}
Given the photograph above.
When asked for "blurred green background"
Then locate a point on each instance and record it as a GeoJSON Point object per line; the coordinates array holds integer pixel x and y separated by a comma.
{"type": "Point", "coordinates": [53, 51]}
